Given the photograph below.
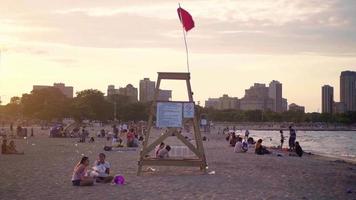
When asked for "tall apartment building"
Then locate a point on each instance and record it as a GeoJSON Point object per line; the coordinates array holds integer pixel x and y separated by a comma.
{"type": "Point", "coordinates": [147, 90]}
{"type": "Point", "coordinates": [275, 93]}
{"type": "Point", "coordinates": [130, 91]}
{"type": "Point", "coordinates": [66, 90]}
{"type": "Point", "coordinates": [257, 98]}
{"type": "Point", "coordinates": [348, 89]}
{"type": "Point", "coordinates": [223, 103]}
{"type": "Point", "coordinates": [327, 99]}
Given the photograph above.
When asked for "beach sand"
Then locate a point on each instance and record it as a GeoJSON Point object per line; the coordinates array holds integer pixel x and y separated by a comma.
{"type": "Point", "coordinates": [44, 172]}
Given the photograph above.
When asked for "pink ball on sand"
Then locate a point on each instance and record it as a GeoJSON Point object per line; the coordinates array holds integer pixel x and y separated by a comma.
{"type": "Point", "coordinates": [119, 180]}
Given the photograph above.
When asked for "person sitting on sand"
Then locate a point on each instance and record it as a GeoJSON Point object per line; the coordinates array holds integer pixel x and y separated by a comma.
{"type": "Point", "coordinates": [239, 148]}
{"type": "Point", "coordinates": [158, 148]}
{"type": "Point", "coordinates": [79, 177]}
{"type": "Point", "coordinates": [259, 149]}
{"type": "Point", "coordinates": [102, 169]}
{"type": "Point", "coordinates": [130, 137]}
{"type": "Point", "coordinates": [233, 139]}
{"type": "Point", "coordinates": [164, 153]}
{"type": "Point", "coordinates": [4, 146]}
{"type": "Point", "coordinates": [298, 149]}
{"type": "Point", "coordinates": [250, 140]}
{"type": "Point", "coordinates": [11, 149]}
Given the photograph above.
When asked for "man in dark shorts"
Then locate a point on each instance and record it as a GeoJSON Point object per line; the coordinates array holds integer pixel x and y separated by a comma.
{"type": "Point", "coordinates": [292, 137]}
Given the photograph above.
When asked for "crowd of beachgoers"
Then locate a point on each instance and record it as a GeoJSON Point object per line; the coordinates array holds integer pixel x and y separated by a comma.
{"type": "Point", "coordinates": [105, 155]}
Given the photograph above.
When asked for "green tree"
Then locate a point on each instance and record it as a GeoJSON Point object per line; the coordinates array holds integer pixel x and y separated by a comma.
{"type": "Point", "coordinates": [91, 104]}
{"type": "Point", "coordinates": [45, 104]}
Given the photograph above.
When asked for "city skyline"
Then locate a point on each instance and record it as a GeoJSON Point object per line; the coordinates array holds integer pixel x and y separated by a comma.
{"type": "Point", "coordinates": [302, 44]}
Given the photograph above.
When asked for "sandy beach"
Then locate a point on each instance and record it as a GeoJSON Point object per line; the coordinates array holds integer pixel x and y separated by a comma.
{"type": "Point", "coordinates": [45, 170]}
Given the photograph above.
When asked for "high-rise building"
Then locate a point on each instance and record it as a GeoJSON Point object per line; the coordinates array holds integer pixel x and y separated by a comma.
{"type": "Point", "coordinates": [284, 105]}
{"type": "Point", "coordinates": [212, 103]}
{"type": "Point", "coordinates": [147, 90]}
{"type": "Point", "coordinates": [112, 91]}
{"type": "Point", "coordinates": [275, 93]}
{"type": "Point", "coordinates": [348, 89]}
{"type": "Point", "coordinates": [257, 98]}
{"type": "Point", "coordinates": [339, 107]}
{"type": "Point", "coordinates": [129, 91]}
{"type": "Point", "coordinates": [66, 90]}
{"type": "Point", "coordinates": [327, 99]}
{"type": "Point", "coordinates": [223, 103]}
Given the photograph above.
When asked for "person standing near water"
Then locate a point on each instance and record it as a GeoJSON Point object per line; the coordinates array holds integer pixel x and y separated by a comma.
{"type": "Point", "coordinates": [282, 138]}
{"type": "Point", "coordinates": [247, 133]}
{"type": "Point", "coordinates": [292, 138]}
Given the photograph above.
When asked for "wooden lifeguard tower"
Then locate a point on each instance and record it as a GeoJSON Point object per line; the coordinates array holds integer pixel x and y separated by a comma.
{"type": "Point", "coordinates": [173, 122]}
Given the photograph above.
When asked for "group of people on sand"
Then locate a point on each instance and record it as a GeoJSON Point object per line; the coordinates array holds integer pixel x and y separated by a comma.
{"type": "Point", "coordinates": [9, 148]}
{"type": "Point", "coordinates": [162, 150]}
{"type": "Point", "coordinates": [241, 145]}
{"type": "Point", "coordinates": [100, 172]}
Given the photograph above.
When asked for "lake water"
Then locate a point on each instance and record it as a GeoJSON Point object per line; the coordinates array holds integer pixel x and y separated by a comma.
{"type": "Point", "coordinates": [339, 144]}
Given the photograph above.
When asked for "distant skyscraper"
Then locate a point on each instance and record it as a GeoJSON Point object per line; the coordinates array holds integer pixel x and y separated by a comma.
{"type": "Point", "coordinates": [129, 91]}
{"type": "Point", "coordinates": [111, 90]}
{"type": "Point", "coordinates": [284, 105]}
{"type": "Point", "coordinates": [223, 103]}
{"type": "Point", "coordinates": [327, 99]}
{"type": "Point", "coordinates": [275, 93]}
{"type": "Point", "coordinates": [257, 98]}
{"type": "Point", "coordinates": [212, 103]}
{"type": "Point", "coordinates": [147, 90]}
{"type": "Point", "coordinates": [66, 90]}
{"type": "Point", "coordinates": [348, 89]}
{"type": "Point", "coordinates": [339, 107]}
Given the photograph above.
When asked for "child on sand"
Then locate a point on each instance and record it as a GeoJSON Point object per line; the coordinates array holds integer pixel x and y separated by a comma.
{"type": "Point", "coordinates": [79, 177]}
{"type": "Point", "coordinates": [282, 138]}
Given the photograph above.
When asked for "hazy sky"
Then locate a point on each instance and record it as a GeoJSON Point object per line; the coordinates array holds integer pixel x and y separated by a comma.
{"type": "Point", "coordinates": [91, 44]}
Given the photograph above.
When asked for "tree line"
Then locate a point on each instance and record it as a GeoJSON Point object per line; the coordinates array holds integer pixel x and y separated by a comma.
{"type": "Point", "coordinates": [51, 104]}
{"type": "Point", "coordinates": [269, 116]}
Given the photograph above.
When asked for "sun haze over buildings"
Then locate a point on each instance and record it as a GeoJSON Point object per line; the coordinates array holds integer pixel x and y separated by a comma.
{"type": "Point", "coordinates": [91, 44]}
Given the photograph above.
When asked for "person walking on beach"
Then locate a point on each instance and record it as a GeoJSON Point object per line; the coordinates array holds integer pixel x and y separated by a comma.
{"type": "Point", "coordinates": [292, 138]}
{"type": "Point", "coordinates": [282, 138]}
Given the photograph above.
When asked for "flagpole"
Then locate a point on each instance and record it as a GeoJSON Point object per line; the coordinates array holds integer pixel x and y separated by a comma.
{"type": "Point", "coordinates": [184, 36]}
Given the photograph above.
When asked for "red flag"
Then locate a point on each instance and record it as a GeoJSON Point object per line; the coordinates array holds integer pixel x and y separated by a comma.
{"type": "Point", "coordinates": [186, 19]}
